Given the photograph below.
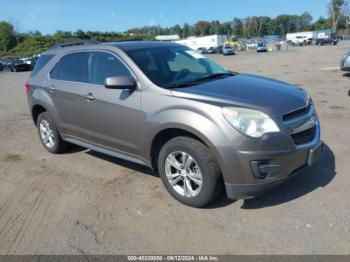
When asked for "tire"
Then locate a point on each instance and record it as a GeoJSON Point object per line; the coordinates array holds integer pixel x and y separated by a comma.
{"type": "Point", "coordinates": [201, 160]}
{"type": "Point", "coordinates": [58, 145]}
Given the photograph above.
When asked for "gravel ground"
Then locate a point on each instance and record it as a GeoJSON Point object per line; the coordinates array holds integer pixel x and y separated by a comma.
{"type": "Point", "coordinates": [83, 202]}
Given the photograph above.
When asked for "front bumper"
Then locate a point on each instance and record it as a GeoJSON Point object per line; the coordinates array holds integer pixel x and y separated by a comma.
{"type": "Point", "coordinates": [252, 167]}
{"type": "Point", "coordinates": [246, 191]}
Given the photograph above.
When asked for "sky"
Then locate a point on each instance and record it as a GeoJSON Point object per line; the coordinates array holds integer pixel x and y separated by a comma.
{"type": "Point", "coordinates": [108, 15]}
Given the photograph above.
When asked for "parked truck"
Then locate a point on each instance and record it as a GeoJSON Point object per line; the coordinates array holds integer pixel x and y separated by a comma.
{"type": "Point", "coordinates": [300, 38]}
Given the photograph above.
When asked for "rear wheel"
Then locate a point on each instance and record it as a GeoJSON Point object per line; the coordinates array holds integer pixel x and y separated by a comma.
{"type": "Point", "coordinates": [49, 135]}
{"type": "Point", "coordinates": [189, 171]}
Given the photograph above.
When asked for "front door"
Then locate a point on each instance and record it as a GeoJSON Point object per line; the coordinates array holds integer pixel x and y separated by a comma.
{"type": "Point", "coordinates": [115, 119]}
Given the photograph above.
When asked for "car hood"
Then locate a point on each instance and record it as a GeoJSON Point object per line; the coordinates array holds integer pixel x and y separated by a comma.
{"type": "Point", "coordinates": [273, 97]}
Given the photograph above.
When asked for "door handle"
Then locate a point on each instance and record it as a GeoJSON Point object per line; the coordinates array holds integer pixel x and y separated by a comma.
{"type": "Point", "coordinates": [52, 89]}
{"type": "Point", "coordinates": [89, 96]}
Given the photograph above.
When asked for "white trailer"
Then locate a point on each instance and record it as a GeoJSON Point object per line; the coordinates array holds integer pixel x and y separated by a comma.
{"type": "Point", "coordinates": [204, 41]}
{"type": "Point", "coordinates": [167, 37]}
{"type": "Point", "coordinates": [321, 34]}
{"type": "Point", "coordinates": [300, 38]}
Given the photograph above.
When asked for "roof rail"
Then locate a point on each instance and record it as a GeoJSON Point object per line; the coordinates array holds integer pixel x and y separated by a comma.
{"type": "Point", "coordinates": [124, 40]}
{"type": "Point", "coordinates": [75, 43]}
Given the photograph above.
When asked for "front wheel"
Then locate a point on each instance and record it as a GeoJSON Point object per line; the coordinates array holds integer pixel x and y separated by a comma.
{"type": "Point", "coordinates": [189, 171]}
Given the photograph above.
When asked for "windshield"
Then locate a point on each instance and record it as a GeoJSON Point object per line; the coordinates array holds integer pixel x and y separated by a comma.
{"type": "Point", "coordinates": [173, 66]}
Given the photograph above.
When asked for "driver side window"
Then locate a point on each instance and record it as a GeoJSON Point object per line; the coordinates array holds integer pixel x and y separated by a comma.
{"type": "Point", "coordinates": [182, 62]}
{"type": "Point", "coordinates": [103, 65]}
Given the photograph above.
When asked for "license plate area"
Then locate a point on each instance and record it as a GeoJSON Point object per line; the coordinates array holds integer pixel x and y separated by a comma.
{"type": "Point", "coordinates": [315, 154]}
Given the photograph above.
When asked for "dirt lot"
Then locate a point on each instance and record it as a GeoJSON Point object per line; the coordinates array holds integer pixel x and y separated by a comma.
{"type": "Point", "coordinates": [83, 202]}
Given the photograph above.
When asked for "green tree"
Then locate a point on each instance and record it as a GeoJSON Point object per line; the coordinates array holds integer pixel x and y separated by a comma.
{"type": "Point", "coordinates": [176, 30]}
{"type": "Point", "coordinates": [7, 37]}
{"type": "Point", "coordinates": [335, 9]}
{"type": "Point", "coordinates": [80, 34]}
{"type": "Point", "coordinates": [226, 28]}
{"type": "Point", "coordinates": [214, 27]}
{"type": "Point", "coordinates": [186, 30]}
{"type": "Point", "coordinates": [285, 23]}
{"type": "Point", "coordinates": [323, 23]}
{"type": "Point", "coordinates": [202, 27]}
{"type": "Point", "coordinates": [305, 21]}
{"type": "Point", "coordinates": [248, 27]}
{"type": "Point", "coordinates": [237, 27]}
{"type": "Point", "coordinates": [259, 25]}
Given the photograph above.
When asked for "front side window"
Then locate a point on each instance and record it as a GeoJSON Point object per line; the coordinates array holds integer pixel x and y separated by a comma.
{"type": "Point", "coordinates": [103, 65]}
{"type": "Point", "coordinates": [72, 67]}
{"type": "Point", "coordinates": [169, 66]}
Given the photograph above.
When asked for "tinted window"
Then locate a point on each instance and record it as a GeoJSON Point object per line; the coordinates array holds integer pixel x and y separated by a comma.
{"type": "Point", "coordinates": [42, 61]}
{"type": "Point", "coordinates": [103, 65]}
{"type": "Point", "coordinates": [170, 65]}
{"type": "Point", "coordinates": [17, 62]}
{"type": "Point", "coordinates": [72, 67]}
{"type": "Point", "coordinates": [182, 61]}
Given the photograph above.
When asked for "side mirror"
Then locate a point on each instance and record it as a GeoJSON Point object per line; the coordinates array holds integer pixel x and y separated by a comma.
{"type": "Point", "coordinates": [120, 82]}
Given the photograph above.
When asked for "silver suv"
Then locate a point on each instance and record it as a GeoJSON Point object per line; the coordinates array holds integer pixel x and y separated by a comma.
{"type": "Point", "coordinates": [228, 50]}
{"type": "Point", "coordinates": [163, 105]}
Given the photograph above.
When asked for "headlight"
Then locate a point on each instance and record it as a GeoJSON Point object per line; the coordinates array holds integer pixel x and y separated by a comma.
{"type": "Point", "coordinates": [250, 122]}
{"type": "Point", "coordinates": [309, 100]}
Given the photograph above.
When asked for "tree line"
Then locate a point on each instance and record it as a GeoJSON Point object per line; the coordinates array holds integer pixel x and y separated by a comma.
{"type": "Point", "coordinates": [249, 27]}
{"type": "Point", "coordinates": [13, 42]}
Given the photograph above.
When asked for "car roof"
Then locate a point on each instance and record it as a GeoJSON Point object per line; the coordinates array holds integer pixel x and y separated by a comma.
{"type": "Point", "coordinates": [132, 45]}
{"type": "Point", "coordinates": [124, 45]}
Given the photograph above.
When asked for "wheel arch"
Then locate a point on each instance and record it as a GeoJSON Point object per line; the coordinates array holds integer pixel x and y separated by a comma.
{"type": "Point", "coordinates": [40, 101]}
{"type": "Point", "coordinates": [36, 111]}
{"type": "Point", "coordinates": [169, 133]}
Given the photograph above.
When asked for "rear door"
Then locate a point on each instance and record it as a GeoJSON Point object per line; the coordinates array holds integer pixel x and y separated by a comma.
{"type": "Point", "coordinates": [67, 85]}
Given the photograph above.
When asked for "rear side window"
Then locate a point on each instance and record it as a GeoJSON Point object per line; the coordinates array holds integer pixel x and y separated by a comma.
{"type": "Point", "coordinates": [72, 67]}
{"type": "Point", "coordinates": [42, 61]}
{"type": "Point", "coordinates": [103, 65]}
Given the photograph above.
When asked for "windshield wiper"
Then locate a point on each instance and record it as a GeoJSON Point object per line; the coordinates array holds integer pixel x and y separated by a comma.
{"type": "Point", "coordinates": [198, 80]}
{"type": "Point", "coordinates": [213, 76]}
{"type": "Point", "coordinates": [184, 84]}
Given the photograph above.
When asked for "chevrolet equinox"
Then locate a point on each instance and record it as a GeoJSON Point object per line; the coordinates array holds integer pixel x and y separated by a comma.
{"type": "Point", "coordinates": [163, 105]}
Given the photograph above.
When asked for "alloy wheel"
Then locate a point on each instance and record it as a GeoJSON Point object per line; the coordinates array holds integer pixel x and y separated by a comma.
{"type": "Point", "coordinates": [183, 174]}
{"type": "Point", "coordinates": [47, 134]}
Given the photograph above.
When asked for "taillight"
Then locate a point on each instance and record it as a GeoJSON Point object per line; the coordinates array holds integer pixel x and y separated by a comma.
{"type": "Point", "coordinates": [27, 85]}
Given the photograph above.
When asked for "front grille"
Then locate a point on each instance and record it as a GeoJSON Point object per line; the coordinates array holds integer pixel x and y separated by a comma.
{"type": "Point", "coordinates": [305, 136]}
{"type": "Point", "coordinates": [298, 113]}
